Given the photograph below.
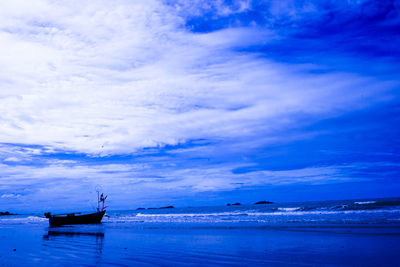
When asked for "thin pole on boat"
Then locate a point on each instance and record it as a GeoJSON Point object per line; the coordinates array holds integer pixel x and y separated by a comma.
{"type": "Point", "coordinates": [98, 201]}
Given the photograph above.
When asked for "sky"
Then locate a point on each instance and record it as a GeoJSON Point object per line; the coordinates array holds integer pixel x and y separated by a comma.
{"type": "Point", "coordinates": [192, 103]}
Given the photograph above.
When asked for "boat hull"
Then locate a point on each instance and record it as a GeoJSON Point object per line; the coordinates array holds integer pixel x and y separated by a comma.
{"type": "Point", "coordinates": [57, 220]}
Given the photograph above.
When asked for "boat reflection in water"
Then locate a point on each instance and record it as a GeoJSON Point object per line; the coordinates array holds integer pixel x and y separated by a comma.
{"type": "Point", "coordinates": [78, 243]}
{"type": "Point", "coordinates": [72, 234]}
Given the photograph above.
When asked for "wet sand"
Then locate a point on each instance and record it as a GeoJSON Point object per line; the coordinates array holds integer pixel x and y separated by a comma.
{"type": "Point", "coordinates": [163, 245]}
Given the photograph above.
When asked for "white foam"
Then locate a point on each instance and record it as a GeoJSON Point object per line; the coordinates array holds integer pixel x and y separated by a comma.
{"type": "Point", "coordinates": [289, 209]}
{"type": "Point", "coordinates": [364, 202]}
{"type": "Point", "coordinates": [192, 214]}
{"type": "Point", "coordinates": [17, 220]}
{"type": "Point", "coordinates": [276, 213]}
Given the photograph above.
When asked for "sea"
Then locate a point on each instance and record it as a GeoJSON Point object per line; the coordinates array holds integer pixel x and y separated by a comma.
{"type": "Point", "coordinates": [362, 232]}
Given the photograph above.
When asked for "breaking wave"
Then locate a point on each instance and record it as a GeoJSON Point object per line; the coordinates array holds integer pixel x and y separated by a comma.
{"type": "Point", "coordinates": [21, 219]}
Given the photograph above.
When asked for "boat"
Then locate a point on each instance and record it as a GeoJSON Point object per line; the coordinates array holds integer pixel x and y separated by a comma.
{"type": "Point", "coordinates": [78, 217]}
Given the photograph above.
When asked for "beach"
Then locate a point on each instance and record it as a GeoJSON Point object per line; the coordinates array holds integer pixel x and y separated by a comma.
{"type": "Point", "coordinates": [221, 237]}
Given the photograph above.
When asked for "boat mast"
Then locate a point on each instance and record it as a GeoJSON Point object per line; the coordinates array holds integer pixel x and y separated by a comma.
{"type": "Point", "coordinates": [98, 201]}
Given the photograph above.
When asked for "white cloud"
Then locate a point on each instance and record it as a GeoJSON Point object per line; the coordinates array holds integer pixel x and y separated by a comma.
{"type": "Point", "coordinates": [104, 78]}
{"type": "Point", "coordinates": [12, 159]}
{"type": "Point", "coordinates": [68, 183]}
{"type": "Point", "coordinates": [209, 178]}
{"type": "Point", "coordinates": [10, 196]}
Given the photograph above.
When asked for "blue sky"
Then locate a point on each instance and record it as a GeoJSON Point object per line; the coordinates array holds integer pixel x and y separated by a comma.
{"type": "Point", "coordinates": [197, 103]}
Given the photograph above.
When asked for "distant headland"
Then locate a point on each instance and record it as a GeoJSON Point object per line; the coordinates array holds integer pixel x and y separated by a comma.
{"type": "Point", "coordinates": [3, 213]}
{"type": "Point", "coordinates": [228, 204]}
{"type": "Point", "coordinates": [166, 207]}
{"type": "Point", "coordinates": [257, 203]}
{"type": "Point", "coordinates": [263, 202]}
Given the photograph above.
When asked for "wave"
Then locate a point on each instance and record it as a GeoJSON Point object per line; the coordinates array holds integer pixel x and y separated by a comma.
{"type": "Point", "coordinates": [289, 215]}
{"type": "Point", "coordinates": [290, 209]}
{"type": "Point", "coordinates": [364, 202]}
{"type": "Point", "coordinates": [193, 214]}
{"type": "Point", "coordinates": [285, 211]}
{"type": "Point", "coordinates": [367, 205]}
{"type": "Point", "coordinates": [20, 219]}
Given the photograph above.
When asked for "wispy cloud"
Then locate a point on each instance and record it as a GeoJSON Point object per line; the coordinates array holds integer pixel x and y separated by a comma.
{"type": "Point", "coordinates": [69, 184]}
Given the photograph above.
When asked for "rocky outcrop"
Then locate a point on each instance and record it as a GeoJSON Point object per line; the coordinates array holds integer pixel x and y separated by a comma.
{"type": "Point", "coordinates": [263, 202]}
{"type": "Point", "coordinates": [6, 213]}
{"type": "Point", "coordinates": [167, 207]}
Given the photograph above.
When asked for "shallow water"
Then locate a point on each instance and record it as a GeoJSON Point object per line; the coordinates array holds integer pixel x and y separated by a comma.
{"type": "Point", "coordinates": [310, 234]}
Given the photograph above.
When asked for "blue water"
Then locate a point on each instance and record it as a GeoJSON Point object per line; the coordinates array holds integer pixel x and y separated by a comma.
{"type": "Point", "coordinates": [331, 233]}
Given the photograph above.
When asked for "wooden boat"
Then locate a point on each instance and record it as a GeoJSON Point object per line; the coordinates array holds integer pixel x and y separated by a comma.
{"type": "Point", "coordinates": [77, 217]}
{"type": "Point", "coordinates": [73, 218]}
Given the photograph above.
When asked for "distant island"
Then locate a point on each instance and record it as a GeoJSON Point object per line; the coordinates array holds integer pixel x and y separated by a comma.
{"type": "Point", "coordinates": [263, 202]}
{"type": "Point", "coordinates": [257, 203]}
{"type": "Point", "coordinates": [6, 213]}
{"type": "Point", "coordinates": [166, 207]}
{"type": "Point", "coordinates": [234, 204]}
{"type": "Point", "coordinates": [171, 207]}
